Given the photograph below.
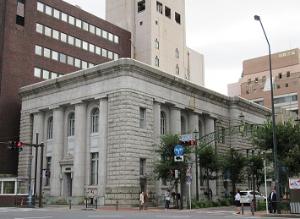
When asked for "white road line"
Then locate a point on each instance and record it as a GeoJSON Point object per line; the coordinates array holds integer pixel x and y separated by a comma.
{"type": "Point", "coordinates": [173, 216]}
{"type": "Point", "coordinates": [42, 217]}
{"type": "Point", "coordinates": [105, 216]}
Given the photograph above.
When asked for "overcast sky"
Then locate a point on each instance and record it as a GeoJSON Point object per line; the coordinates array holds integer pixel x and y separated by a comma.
{"type": "Point", "coordinates": [226, 33]}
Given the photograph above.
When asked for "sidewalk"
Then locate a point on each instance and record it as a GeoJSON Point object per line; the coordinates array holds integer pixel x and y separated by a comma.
{"type": "Point", "coordinates": [264, 214]}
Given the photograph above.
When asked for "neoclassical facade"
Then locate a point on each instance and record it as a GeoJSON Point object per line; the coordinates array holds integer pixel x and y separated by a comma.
{"type": "Point", "coordinates": [101, 127]}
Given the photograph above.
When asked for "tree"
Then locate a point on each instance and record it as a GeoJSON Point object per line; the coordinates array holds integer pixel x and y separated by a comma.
{"type": "Point", "coordinates": [209, 162]}
{"type": "Point", "coordinates": [165, 168]}
{"type": "Point", "coordinates": [233, 163]}
{"type": "Point", "coordinates": [255, 168]}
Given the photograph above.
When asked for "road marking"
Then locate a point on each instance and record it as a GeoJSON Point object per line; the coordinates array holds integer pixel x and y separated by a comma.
{"type": "Point", "coordinates": [105, 216]}
{"type": "Point", "coordinates": [173, 216]}
{"type": "Point", "coordinates": [42, 217]}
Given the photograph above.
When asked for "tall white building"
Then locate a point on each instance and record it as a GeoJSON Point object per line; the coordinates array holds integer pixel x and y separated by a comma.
{"type": "Point", "coordinates": [158, 35]}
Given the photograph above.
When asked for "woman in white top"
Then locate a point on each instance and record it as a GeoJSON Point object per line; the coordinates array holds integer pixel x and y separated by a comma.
{"type": "Point", "coordinates": [237, 201]}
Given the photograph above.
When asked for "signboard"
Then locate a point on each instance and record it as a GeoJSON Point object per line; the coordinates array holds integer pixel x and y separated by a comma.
{"type": "Point", "coordinates": [178, 150]}
{"type": "Point", "coordinates": [294, 183]}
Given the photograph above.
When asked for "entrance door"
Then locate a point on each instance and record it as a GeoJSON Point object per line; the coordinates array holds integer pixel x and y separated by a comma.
{"type": "Point", "coordinates": [68, 185]}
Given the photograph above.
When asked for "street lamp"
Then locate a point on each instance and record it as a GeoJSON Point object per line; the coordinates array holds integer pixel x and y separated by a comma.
{"type": "Point", "coordinates": [276, 175]}
{"type": "Point", "coordinates": [196, 137]}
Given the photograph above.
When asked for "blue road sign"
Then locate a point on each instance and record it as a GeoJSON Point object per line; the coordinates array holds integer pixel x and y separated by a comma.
{"type": "Point", "coordinates": [178, 150]}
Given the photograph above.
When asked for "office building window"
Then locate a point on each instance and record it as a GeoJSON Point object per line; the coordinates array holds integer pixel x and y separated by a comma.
{"type": "Point", "coordinates": [47, 53]}
{"type": "Point", "coordinates": [40, 7]}
{"type": "Point", "coordinates": [71, 124]}
{"type": "Point", "coordinates": [62, 58]}
{"type": "Point", "coordinates": [104, 34]}
{"type": "Point", "coordinates": [20, 16]}
{"type": "Point", "coordinates": [142, 117]}
{"type": "Point", "coordinates": [288, 74]}
{"type": "Point", "coordinates": [54, 56]}
{"type": "Point", "coordinates": [94, 120]}
{"type": "Point", "coordinates": [56, 14]}
{"type": "Point", "coordinates": [37, 72]}
{"type": "Point", "coordinates": [55, 34]}
{"type": "Point", "coordinates": [85, 26]}
{"type": "Point", "coordinates": [48, 31]}
{"type": "Point", "coordinates": [142, 166]}
{"type": "Point", "coordinates": [94, 168]}
{"type": "Point", "coordinates": [92, 29]}
{"type": "Point", "coordinates": [78, 23]}
{"type": "Point", "coordinates": [163, 123]}
{"type": "Point", "coordinates": [39, 28]}
{"type": "Point", "coordinates": [50, 128]}
{"type": "Point", "coordinates": [63, 37]}
{"type": "Point", "coordinates": [159, 7]}
{"type": "Point", "coordinates": [46, 74]}
{"type": "Point", "coordinates": [167, 12]}
{"type": "Point", "coordinates": [38, 50]}
{"type": "Point", "coordinates": [48, 10]}
{"type": "Point", "coordinates": [177, 18]}
{"type": "Point", "coordinates": [64, 17]}
{"type": "Point", "coordinates": [71, 40]}
{"type": "Point", "coordinates": [141, 6]}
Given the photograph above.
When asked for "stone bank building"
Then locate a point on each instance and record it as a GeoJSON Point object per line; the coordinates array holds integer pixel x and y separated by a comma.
{"type": "Point", "coordinates": [101, 127]}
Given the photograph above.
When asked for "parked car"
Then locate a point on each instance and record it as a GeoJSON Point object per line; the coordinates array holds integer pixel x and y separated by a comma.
{"type": "Point", "coordinates": [247, 196]}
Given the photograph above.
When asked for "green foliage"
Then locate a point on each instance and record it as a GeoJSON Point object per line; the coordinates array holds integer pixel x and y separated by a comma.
{"type": "Point", "coordinates": [208, 204]}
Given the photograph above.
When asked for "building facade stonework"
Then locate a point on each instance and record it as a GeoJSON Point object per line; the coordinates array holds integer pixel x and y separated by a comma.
{"type": "Point", "coordinates": [101, 128]}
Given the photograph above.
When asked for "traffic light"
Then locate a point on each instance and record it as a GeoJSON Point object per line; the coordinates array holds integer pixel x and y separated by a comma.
{"type": "Point", "coordinates": [11, 145]}
{"type": "Point", "coordinates": [15, 146]}
{"type": "Point", "coordinates": [19, 146]}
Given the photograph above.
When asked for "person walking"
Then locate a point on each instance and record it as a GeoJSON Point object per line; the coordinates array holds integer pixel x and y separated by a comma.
{"type": "Point", "coordinates": [142, 201]}
{"type": "Point", "coordinates": [167, 199]}
{"type": "Point", "coordinates": [273, 201]}
{"type": "Point", "coordinates": [237, 201]}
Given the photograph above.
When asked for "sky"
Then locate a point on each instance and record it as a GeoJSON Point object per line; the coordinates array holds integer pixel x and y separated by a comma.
{"type": "Point", "coordinates": [225, 32]}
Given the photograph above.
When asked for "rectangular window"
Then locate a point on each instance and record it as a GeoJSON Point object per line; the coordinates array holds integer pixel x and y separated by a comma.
{"type": "Point", "coordinates": [37, 72]}
{"type": "Point", "coordinates": [167, 12]}
{"type": "Point", "coordinates": [78, 43]}
{"type": "Point", "coordinates": [8, 187]}
{"type": "Point", "coordinates": [71, 20]}
{"type": "Point", "coordinates": [94, 168]}
{"type": "Point", "coordinates": [85, 26]}
{"type": "Point", "coordinates": [104, 52]}
{"type": "Point", "coordinates": [40, 7]}
{"type": "Point", "coordinates": [98, 31]}
{"type": "Point", "coordinates": [70, 60]}
{"type": "Point", "coordinates": [20, 19]}
{"type": "Point", "coordinates": [142, 166]}
{"type": "Point", "coordinates": [71, 40]}
{"type": "Point", "coordinates": [91, 48]}
{"type": "Point", "coordinates": [78, 23]}
{"type": "Point", "coordinates": [104, 34]}
{"type": "Point", "coordinates": [48, 31]}
{"type": "Point", "coordinates": [48, 10]}
{"type": "Point", "coordinates": [84, 45]}
{"type": "Point", "coordinates": [39, 28]}
{"type": "Point", "coordinates": [142, 117]}
{"type": "Point", "coordinates": [62, 58]}
{"type": "Point", "coordinates": [54, 75]}
{"type": "Point", "coordinates": [64, 17]}
{"type": "Point", "coordinates": [63, 37]}
{"type": "Point", "coordinates": [177, 18]}
{"type": "Point", "coordinates": [110, 37]}
{"type": "Point", "coordinates": [116, 56]}
{"type": "Point", "coordinates": [77, 63]}
{"type": "Point", "coordinates": [109, 55]}
{"type": "Point", "coordinates": [47, 171]}
{"type": "Point", "coordinates": [38, 50]}
{"type": "Point", "coordinates": [141, 6]}
{"type": "Point", "coordinates": [47, 53]}
{"type": "Point", "coordinates": [46, 74]}
{"type": "Point", "coordinates": [56, 14]}
{"type": "Point", "coordinates": [92, 29]}
{"type": "Point", "coordinates": [54, 55]}
{"type": "Point", "coordinates": [91, 65]}
{"type": "Point", "coordinates": [116, 39]}
{"type": "Point", "coordinates": [84, 65]}
{"type": "Point", "coordinates": [55, 34]}
{"type": "Point", "coordinates": [159, 7]}
{"type": "Point", "coordinates": [98, 50]}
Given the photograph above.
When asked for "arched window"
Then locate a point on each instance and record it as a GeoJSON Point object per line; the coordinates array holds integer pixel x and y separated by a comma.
{"type": "Point", "coordinates": [94, 120]}
{"type": "Point", "coordinates": [163, 123]}
{"type": "Point", "coordinates": [50, 128]}
{"type": "Point", "coordinates": [71, 124]}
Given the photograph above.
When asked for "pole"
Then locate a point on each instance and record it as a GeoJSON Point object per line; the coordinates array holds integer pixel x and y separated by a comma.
{"type": "Point", "coordinates": [266, 192]}
{"type": "Point", "coordinates": [276, 175]}
{"type": "Point", "coordinates": [41, 176]}
{"type": "Point", "coordinates": [190, 198]}
{"type": "Point", "coordinates": [196, 163]}
{"type": "Point", "coordinates": [29, 180]}
{"type": "Point", "coordinates": [36, 161]}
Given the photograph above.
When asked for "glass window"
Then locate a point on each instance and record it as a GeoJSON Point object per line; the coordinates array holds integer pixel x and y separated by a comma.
{"type": "Point", "coordinates": [54, 55]}
{"type": "Point", "coordinates": [71, 124]}
{"type": "Point", "coordinates": [77, 63]}
{"type": "Point", "coordinates": [94, 168]}
{"type": "Point", "coordinates": [71, 20]}
{"type": "Point", "coordinates": [167, 12]}
{"type": "Point", "coordinates": [177, 18]}
{"type": "Point", "coordinates": [54, 75]}
{"type": "Point", "coordinates": [70, 40]}
{"type": "Point", "coordinates": [142, 117]}
{"type": "Point", "coordinates": [98, 31]}
{"type": "Point", "coordinates": [142, 166]}
{"type": "Point", "coordinates": [64, 17]}
{"type": "Point", "coordinates": [78, 23]}
{"type": "Point", "coordinates": [50, 128]}
{"type": "Point", "coordinates": [159, 7]}
{"type": "Point", "coordinates": [40, 7]}
{"type": "Point", "coordinates": [94, 120]}
{"type": "Point", "coordinates": [110, 37]}
{"type": "Point", "coordinates": [104, 34]}
{"type": "Point", "coordinates": [85, 26]}
{"type": "Point", "coordinates": [141, 6]}
{"type": "Point", "coordinates": [91, 65]}
{"type": "Point", "coordinates": [46, 74]}
{"type": "Point", "coordinates": [116, 56]}
{"type": "Point", "coordinates": [163, 123]}
{"type": "Point", "coordinates": [70, 60]}
{"type": "Point", "coordinates": [98, 50]}
{"type": "Point", "coordinates": [38, 50]}
{"type": "Point", "coordinates": [55, 34]}
{"type": "Point", "coordinates": [47, 173]}
{"type": "Point", "coordinates": [110, 55]}
{"type": "Point", "coordinates": [92, 29]}
{"type": "Point", "coordinates": [62, 58]}
{"type": "Point", "coordinates": [56, 13]}
{"type": "Point", "coordinates": [84, 45]}
{"type": "Point", "coordinates": [48, 10]}
{"type": "Point", "coordinates": [84, 65]}
{"type": "Point", "coordinates": [8, 187]}
{"type": "Point", "coordinates": [78, 43]}
{"type": "Point", "coordinates": [116, 39]}
{"type": "Point", "coordinates": [91, 48]}
{"type": "Point", "coordinates": [48, 31]}
{"type": "Point", "coordinates": [39, 28]}
{"type": "Point", "coordinates": [63, 37]}
{"type": "Point", "coordinates": [47, 53]}
{"type": "Point", "coordinates": [104, 52]}
{"type": "Point", "coordinates": [37, 72]}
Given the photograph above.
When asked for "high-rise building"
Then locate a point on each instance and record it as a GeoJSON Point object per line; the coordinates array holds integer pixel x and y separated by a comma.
{"type": "Point", "coordinates": [158, 35]}
{"type": "Point", "coordinates": [44, 39]}
{"type": "Point", "coordinates": [255, 81]}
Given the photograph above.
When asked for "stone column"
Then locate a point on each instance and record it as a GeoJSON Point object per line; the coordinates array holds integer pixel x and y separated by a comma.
{"type": "Point", "coordinates": [102, 148]}
{"type": "Point", "coordinates": [79, 150]}
{"type": "Point", "coordinates": [193, 126]}
{"type": "Point", "coordinates": [57, 151]}
{"type": "Point", "coordinates": [175, 121]}
{"type": "Point", "coordinates": [156, 137]}
{"type": "Point", "coordinates": [38, 128]}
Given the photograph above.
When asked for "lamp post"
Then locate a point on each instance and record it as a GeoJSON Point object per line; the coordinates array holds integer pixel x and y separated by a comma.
{"type": "Point", "coordinates": [276, 175]}
{"type": "Point", "coordinates": [196, 136]}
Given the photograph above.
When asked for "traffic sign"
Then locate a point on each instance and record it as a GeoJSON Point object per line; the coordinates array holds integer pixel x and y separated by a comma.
{"type": "Point", "coordinates": [178, 150]}
{"type": "Point", "coordinates": [178, 158]}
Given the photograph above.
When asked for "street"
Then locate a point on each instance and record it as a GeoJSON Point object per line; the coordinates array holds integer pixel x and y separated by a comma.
{"type": "Point", "coordinates": [63, 213]}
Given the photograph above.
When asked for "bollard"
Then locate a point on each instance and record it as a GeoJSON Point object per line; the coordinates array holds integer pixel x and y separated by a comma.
{"type": "Point", "coordinates": [242, 208]}
{"type": "Point", "coordinates": [86, 203]}
{"type": "Point", "coordinates": [117, 205]}
{"type": "Point", "coordinates": [70, 204]}
{"type": "Point", "coordinates": [96, 200]}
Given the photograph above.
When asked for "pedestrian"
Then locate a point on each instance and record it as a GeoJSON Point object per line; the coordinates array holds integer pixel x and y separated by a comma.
{"type": "Point", "coordinates": [273, 201]}
{"type": "Point", "coordinates": [146, 198]}
{"type": "Point", "coordinates": [167, 199]}
{"type": "Point", "coordinates": [237, 201]}
{"type": "Point", "coordinates": [142, 200]}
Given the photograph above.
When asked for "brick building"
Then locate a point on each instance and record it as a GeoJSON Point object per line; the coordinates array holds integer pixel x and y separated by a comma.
{"type": "Point", "coordinates": [44, 39]}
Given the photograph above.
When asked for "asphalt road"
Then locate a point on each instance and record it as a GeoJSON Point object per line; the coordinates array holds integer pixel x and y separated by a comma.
{"type": "Point", "coordinates": [63, 213]}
